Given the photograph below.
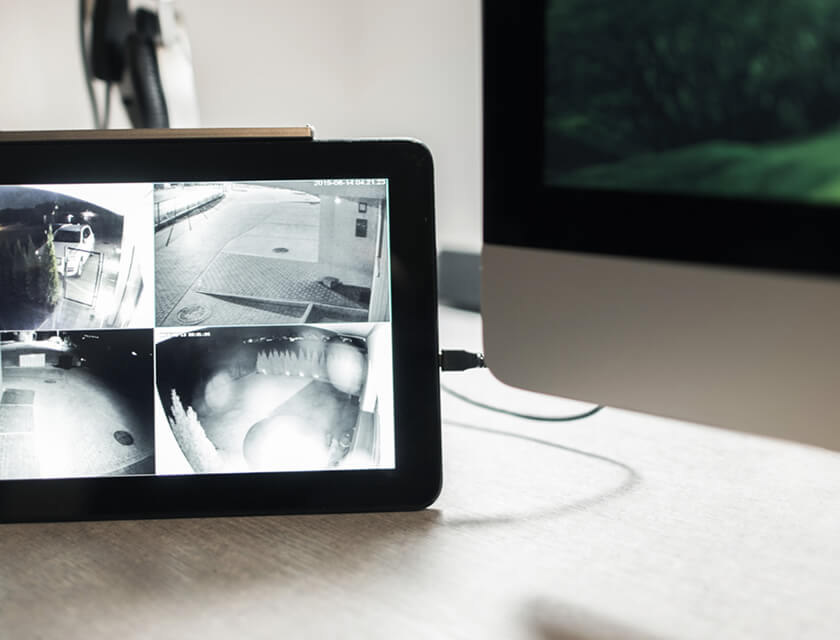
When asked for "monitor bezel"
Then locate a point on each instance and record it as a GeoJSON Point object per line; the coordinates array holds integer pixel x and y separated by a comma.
{"type": "Point", "coordinates": [767, 235]}
{"type": "Point", "coordinates": [416, 479]}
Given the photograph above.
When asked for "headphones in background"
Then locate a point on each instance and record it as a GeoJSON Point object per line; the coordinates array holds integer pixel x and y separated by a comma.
{"type": "Point", "coordinates": [146, 55]}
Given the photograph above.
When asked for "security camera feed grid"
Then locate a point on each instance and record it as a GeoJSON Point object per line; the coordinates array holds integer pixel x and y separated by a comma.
{"type": "Point", "coordinates": [76, 403]}
{"type": "Point", "coordinates": [291, 398]}
{"type": "Point", "coordinates": [270, 304]}
{"type": "Point", "coordinates": [75, 256]}
{"type": "Point", "coordinates": [731, 98]}
{"type": "Point", "coordinates": [257, 253]}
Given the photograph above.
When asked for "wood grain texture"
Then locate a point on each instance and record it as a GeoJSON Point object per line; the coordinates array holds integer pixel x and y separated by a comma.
{"type": "Point", "coordinates": [304, 132]}
{"type": "Point", "coordinates": [622, 525]}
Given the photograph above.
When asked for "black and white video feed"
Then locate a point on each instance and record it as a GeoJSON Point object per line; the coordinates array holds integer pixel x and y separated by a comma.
{"type": "Point", "coordinates": [260, 253]}
{"type": "Point", "coordinates": [75, 256]}
{"type": "Point", "coordinates": [76, 403]}
{"type": "Point", "coordinates": [264, 399]}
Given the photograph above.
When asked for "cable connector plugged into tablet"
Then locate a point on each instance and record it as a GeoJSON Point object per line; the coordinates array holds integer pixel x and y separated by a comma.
{"type": "Point", "coordinates": [456, 360]}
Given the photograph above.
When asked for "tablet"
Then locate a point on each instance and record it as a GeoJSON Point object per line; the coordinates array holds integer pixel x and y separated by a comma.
{"type": "Point", "coordinates": [199, 323]}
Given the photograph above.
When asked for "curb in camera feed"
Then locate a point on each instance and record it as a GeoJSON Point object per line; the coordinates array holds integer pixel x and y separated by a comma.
{"type": "Point", "coordinates": [75, 256]}
{"type": "Point", "coordinates": [76, 403]}
{"type": "Point", "coordinates": [262, 399]}
{"type": "Point", "coordinates": [259, 253]}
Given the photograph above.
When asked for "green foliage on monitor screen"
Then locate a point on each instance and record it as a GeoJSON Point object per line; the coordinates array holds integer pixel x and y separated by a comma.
{"type": "Point", "coordinates": [737, 97]}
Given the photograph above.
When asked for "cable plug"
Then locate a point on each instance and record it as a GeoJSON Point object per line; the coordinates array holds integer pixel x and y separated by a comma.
{"type": "Point", "coordinates": [456, 360]}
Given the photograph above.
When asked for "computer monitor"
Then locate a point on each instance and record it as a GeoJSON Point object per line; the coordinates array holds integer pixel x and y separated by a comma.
{"type": "Point", "coordinates": [662, 208]}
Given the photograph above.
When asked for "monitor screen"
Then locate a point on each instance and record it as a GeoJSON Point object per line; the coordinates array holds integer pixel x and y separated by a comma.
{"type": "Point", "coordinates": [725, 98]}
{"type": "Point", "coordinates": [179, 328]}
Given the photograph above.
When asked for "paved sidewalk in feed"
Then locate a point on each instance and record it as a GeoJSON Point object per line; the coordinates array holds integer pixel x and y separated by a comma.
{"type": "Point", "coordinates": [194, 242]}
{"type": "Point", "coordinates": [269, 279]}
{"type": "Point", "coordinates": [253, 259]}
{"type": "Point", "coordinates": [18, 448]}
{"type": "Point", "coordinates": [73, 421]}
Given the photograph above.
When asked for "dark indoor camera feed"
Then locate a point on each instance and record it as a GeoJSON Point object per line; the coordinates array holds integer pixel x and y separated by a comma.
{"type": "Point", "coordinates": [73, 256]}
{"type": "Point", "coordinates": [282, 398]}
{"type": "Point", "coordinates": [256, 253]}
{"type": "Point", "coordinates": [76, 403]}
{"type": "Point", "coordinates": [721, 97]}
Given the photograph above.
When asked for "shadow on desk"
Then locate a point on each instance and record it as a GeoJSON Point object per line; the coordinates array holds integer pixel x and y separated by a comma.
{"type": "Point", "coordinates": [630, 481]}
{"type": "Point", "coordinates": [559, 621]}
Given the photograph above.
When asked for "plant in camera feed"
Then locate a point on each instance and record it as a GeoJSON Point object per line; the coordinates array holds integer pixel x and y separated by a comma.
{"type": "Point", "coordinates": [50, 284]}
{"type": "Point", "coordinates": [198, 450]}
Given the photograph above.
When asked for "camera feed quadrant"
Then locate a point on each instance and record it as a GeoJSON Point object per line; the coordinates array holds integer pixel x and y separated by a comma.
{"type": "Point", "coordinates": [75, 256]}
{"type": "Point", "coordinates": [76, 403]}
{"type": "Point", "coordinates": [275, 252]}
{"type": "Point", "coordinates": [273, 399]}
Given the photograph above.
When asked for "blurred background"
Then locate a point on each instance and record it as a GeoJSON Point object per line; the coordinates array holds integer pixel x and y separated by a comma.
{"type": "Point", "coordinates": [361, 69]}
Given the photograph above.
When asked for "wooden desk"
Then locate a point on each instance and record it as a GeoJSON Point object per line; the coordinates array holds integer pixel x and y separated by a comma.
{"type": "Point", "coordinates": [622, 525]}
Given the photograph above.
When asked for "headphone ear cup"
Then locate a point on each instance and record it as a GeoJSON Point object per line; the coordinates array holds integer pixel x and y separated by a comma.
{"type": "Point", "coordinates": [147, 108]}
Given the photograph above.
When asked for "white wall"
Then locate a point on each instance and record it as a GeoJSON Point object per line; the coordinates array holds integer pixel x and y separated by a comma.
{"type": "Point", "coordinates": [351, 259]}
{"type": "Point", "coordinates": [358, 68]}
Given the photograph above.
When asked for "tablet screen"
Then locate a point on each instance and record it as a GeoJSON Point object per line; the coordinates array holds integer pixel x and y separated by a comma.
{"type": "Point", "coordinates": [181, 328]}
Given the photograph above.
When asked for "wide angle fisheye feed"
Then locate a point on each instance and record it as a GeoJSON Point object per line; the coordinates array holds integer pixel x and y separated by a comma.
{"type": "Point", "coordinates": [190, 328]}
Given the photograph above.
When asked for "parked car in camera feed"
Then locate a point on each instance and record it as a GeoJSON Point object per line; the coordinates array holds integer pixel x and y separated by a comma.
{"type": "Point", "coordinates": [73, 244]}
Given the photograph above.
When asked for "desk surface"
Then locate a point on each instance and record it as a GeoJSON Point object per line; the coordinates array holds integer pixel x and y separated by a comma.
{"type": "Point", "coordinates": [621, 525]}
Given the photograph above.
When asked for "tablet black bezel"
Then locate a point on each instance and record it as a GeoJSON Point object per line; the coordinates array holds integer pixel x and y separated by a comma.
{"type": "Point", "coordinates": [416, 480]}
